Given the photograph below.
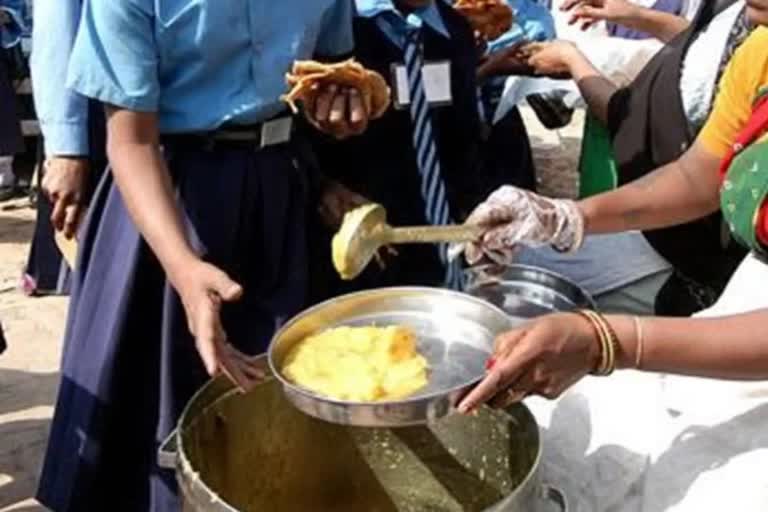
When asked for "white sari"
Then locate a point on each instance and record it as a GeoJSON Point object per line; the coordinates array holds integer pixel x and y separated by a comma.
{"type": "Point", "coordinates": [651, 443]}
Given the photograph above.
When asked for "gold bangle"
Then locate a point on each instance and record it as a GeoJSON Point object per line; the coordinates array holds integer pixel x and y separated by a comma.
{"type": "Point", "coordinates": [640, 342]}
{"type": "Point", "coordinates": [603, 338]}
{"type": "Point", "coordinates": [609, 342]}
{"type": "Point", "coordinates": [598, 339]}
{"type": "Point", "coordinates": [613, 344]}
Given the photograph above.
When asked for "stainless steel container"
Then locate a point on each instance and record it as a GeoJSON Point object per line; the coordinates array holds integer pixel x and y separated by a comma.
{"type": "Point", "coordinates": [525, 292]}
{"type": "Point", "coordinates": [256, 452]}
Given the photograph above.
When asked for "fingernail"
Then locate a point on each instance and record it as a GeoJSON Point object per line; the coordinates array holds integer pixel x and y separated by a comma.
{"type": "Point", "coordinates": [490, 363]}
{"type": "Point", "coordinates": [464, 408]}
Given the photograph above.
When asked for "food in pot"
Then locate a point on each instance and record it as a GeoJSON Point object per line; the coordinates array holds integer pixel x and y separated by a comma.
{"type": "Point", "coordinates": [308, 77]}
{"type": "Point", "coordinates": [490, 18]}
{"type": "Point", "coordinates": [359, 364]}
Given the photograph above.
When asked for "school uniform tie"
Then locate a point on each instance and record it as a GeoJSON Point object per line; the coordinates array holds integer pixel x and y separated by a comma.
{"type": "Point", "coordinates": [433, 190]}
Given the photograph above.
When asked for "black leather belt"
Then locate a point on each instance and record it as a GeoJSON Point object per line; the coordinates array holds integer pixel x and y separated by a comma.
{"type": "Point", "coordinates": [257, 137]}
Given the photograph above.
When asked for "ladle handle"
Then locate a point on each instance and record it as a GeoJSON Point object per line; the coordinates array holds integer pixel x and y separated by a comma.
{"type": "Point", "coordinates": [432, 234]}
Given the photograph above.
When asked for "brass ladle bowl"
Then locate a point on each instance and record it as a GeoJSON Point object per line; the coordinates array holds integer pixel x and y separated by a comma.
{"type": "Point", "coordinates": [365, 230]}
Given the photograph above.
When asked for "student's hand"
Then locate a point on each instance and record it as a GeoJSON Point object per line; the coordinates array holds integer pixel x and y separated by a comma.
{"type": "Point", "coordinates": [544, 357]}
{"type": "Point", "coordinates": [335, 201]}
{"type": "Point", "coordinates": [203, 289]}
{"type": "Point", "coordinates": [553, 58]}
{"type": "Point", "coordinates": [589, 12]}
{"type": "Point", "coordinates": [338, 111]}
{"type": "Point", "coordinates": [64, 183]}
{"type": "Point", "coordinates": [506, 62]}
{"type": "Point", "coordinates": [512, 216]}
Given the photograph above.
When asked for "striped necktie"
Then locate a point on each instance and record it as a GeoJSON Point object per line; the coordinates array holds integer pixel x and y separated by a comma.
{"type": "Point", "coordinates": [433, 191]}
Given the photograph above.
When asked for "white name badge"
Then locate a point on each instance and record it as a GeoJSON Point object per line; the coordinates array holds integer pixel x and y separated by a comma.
{"type": "Point", "coordinates": [437, 84]}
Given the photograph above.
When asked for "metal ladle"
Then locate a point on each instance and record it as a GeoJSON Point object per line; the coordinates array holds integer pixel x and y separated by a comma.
{"type": "Point", "coordinates": [365, 230]}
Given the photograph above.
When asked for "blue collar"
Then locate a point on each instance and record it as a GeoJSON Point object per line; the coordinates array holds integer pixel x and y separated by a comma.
{"type": "Point", "coordinates": [393, 23]}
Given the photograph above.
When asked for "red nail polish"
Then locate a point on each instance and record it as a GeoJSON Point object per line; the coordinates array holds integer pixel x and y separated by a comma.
{"type": "Point", "coordinates": [490, 363]}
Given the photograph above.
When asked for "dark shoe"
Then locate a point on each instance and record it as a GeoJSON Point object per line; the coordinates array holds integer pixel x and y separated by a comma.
{"type": "Point", "coordinates": [552, 112]}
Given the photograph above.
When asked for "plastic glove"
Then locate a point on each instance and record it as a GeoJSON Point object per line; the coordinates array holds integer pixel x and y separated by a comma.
{"type": "Point", "coordinates": [513, 216]}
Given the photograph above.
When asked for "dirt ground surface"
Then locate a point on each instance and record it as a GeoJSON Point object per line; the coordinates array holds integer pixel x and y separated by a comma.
{"type": "Point", "coordinates": [34, 326]}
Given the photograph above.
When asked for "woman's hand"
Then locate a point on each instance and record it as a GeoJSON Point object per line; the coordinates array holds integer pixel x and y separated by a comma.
{"type": "Point", "coordinates": [513, 216]}
{"type": "Point", "coordinates": [589, 12]}
{"type": "Point", "coordinates": [64, 184]}
{"type": "Point", "coordinates": [553, 58]}
{"type": "Point", "coordinates": [544, 357]}
{"type": "Point", "coordinates": [338, 111]}
{"type": "Point", "coordinates": [203, 289]}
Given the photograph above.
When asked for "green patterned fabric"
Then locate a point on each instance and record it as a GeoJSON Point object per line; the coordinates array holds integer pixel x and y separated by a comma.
{"type": "Point", "coordinates": [744, 190]}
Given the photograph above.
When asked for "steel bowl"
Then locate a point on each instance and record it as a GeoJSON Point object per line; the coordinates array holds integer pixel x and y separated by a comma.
{"type": "Point", "coordinates": [455, 333]}
{"type": "Point", "coordinates": [525, 292]}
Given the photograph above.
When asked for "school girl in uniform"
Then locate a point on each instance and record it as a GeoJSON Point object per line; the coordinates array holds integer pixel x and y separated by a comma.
{"type": "Point", "coordinates": [421, 157]}
{"type": "Point", "coordinates": [195, 240]}
{"type": "Point", "coordinates": [74, 139]}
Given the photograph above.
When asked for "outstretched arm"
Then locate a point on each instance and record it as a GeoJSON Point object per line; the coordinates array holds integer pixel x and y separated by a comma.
{"type": "Point", "coordinates": [682, 191]}
{"type": "Point", "coordinates": [552, 353]}
{"type": "Point", "coordinates": [661, 25]}
{"type": "Point", "coordinates": [563, 57]}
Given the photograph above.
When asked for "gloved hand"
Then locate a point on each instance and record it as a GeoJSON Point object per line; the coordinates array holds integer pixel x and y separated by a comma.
{"type": "Point", "coordinates": [512, 216]}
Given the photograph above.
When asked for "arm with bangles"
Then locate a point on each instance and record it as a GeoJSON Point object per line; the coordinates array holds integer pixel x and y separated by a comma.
{"type": "Point", "coordinates": [696, 346]}
{"type": "Point", "coordinates": [552, 353]}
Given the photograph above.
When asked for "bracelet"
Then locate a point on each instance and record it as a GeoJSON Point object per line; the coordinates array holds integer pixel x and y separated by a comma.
{"type": "Point", "coordinates": [608, 342]}
{"type": "Point", "coordinates": [599, 338]}
{"type": "Point", "coordinates": [640, 342]}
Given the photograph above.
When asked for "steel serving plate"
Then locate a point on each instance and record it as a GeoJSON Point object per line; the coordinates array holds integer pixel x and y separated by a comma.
{"type": "Point", "coordinates": [455, 333]}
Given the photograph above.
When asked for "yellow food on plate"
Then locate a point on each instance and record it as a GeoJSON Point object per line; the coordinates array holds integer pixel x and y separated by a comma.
{"type": "Point", "coordinates": [359, 364]}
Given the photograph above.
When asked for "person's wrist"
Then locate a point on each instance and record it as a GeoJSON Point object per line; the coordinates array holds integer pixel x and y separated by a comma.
{"type": "Point", "coordinates": [587, 331]}
{"type": "Point", "coordinates": [571, 55]}
{"type": "Point", "coordinates": [80, 162]}
{"type": "Point", "coordinates": [587, 215]}
{"type": "Point", "coordinates": [179, 266]}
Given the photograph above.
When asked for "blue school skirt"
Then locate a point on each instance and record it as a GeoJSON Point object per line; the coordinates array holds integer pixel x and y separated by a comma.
{"type": "Point", "coordinates": [130, 364]}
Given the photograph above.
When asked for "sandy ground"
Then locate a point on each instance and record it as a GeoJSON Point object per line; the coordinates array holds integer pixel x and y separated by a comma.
{"type": "Point", "coordinates": [34, 326]}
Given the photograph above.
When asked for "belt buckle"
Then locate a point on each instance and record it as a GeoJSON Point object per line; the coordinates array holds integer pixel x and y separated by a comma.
{"type": "Point", "coordinates": [276, 131]}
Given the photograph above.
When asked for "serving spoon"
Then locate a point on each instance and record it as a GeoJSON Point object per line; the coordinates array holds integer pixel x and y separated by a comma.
{"type": "Point", "coordinates": [364, 231]}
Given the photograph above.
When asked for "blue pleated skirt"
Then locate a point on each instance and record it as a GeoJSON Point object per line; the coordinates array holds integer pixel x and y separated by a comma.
{"type": "Point", "coordinates": [130, 364]}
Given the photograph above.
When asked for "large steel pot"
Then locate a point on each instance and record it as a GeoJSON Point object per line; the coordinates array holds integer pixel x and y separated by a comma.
{"type": "Point", "coordinates": [256, 452]}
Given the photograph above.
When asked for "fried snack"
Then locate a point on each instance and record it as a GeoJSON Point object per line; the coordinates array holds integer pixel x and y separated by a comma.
{"type": "Point", "coordinates": [359, 364]}
{"type": "Point", "coordinates": [308, 77]}
{"type": "Point", "coordinates": [491, 18]}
